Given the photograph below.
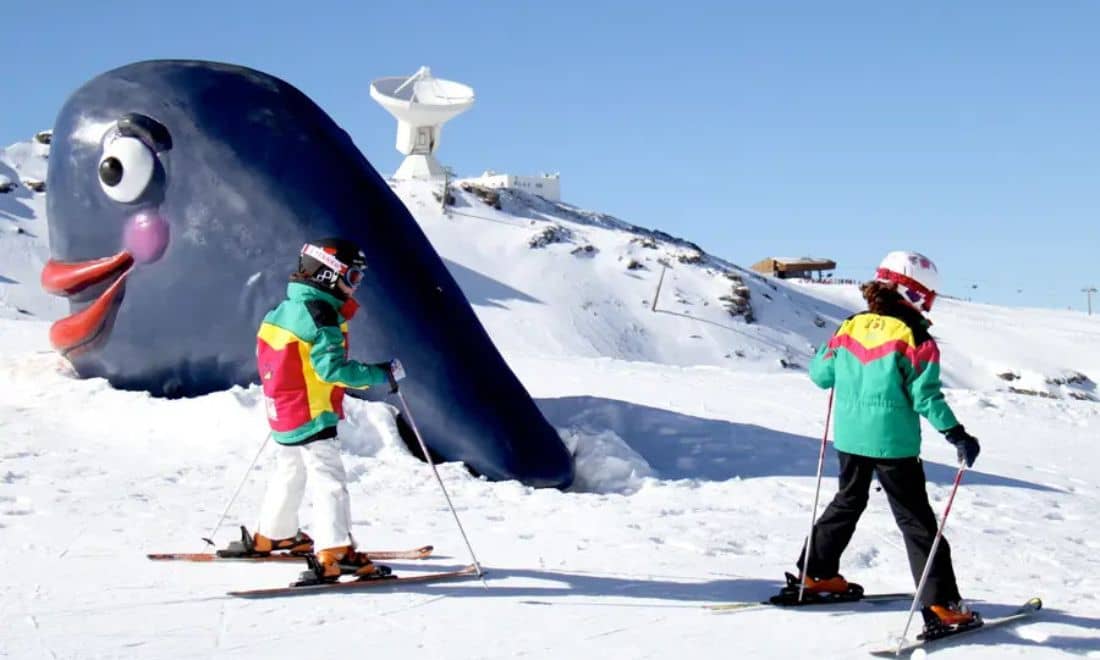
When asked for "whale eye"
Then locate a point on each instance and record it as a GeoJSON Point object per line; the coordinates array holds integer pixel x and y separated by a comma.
{"type": "Point", "coordinates": [110, 171]}
{"type": "Point", "coordinates": [126, 168]}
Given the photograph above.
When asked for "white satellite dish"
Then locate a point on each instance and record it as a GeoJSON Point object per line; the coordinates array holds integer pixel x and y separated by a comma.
{"type": "Point", "coordinates": [422, 104]}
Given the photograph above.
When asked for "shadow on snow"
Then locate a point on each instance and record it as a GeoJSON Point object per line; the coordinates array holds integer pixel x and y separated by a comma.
{"type": "Point", "coordinates": [482, 290]}
{"type": "Point", "coordinates": [679, 446]}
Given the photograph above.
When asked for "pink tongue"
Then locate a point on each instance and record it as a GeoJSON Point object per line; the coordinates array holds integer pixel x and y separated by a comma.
{"type": "Point", "coordinates": [72, 331]}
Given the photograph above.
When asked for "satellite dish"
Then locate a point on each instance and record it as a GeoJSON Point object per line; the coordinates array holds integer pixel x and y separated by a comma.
{"type": "Point", "coordinates": [421, 103]}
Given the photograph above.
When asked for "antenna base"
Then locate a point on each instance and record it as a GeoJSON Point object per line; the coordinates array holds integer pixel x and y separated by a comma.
{"type": "Point", "coordinates": [420, 166]}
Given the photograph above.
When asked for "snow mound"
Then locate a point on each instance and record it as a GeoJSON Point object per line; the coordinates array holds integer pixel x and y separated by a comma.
{"type": "Point", "coordinates": [370, 429]}
{"type": "Point", "coordinates": [605, 463]}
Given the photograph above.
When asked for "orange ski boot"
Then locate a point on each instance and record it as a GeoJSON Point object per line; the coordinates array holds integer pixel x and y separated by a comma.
{"type": "Point", "coordinates": [830, 585]}
{"type": "Point", "coordinates": [259, 545]}
{"type": "Point", "coordinates": [948, 617]}
{"type": "Point", "coordinates": [299, 544]}
{"type": "Point", "coordinates": [344, 560]}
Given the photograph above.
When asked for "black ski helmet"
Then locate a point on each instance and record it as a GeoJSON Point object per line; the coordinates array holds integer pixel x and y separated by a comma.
{"type": "Point", "coordinates": [326, 261]}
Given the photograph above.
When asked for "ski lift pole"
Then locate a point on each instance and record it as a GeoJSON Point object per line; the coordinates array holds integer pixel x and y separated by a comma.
{"type": "Point", "coordinates": [660, 281]}
{"type": "Point", "coordinates": [817, 495]}
{"type": "Point", "coordinates": [428, 458]}
{"type": "Point", "coordinates": [931, 556]}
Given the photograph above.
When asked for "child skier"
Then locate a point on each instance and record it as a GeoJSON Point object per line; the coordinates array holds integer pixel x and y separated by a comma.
{"type": "Point", "coordinates": [884, 368]}
{"type": "Point", "coordinates": [302, 356]}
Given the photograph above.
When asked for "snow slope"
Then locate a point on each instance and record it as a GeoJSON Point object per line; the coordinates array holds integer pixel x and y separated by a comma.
{"type": "Point", "coordinates": [696, 452]}
{"type": "Point", "coordinates": [23, 236]}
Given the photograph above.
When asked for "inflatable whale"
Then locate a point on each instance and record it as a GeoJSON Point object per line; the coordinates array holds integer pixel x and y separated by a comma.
{"type": "Point", "coordinates": [180, 195]}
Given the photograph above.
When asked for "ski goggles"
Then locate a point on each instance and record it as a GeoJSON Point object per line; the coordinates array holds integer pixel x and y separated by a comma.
{"type": "Point", "coordinates": [914, 292]}
{"type": "Point", "coordinates": [353, 276]}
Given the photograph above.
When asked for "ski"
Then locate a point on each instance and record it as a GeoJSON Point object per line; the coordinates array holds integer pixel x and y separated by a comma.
{"type": "Point", "coordinates": [422, 552]}
{"type": "Point", "coordinates": [908, 647]}
{"type": "Point", "coordinates": [355, 585]}
{"type": "Point", "coordinates": [727, 608]}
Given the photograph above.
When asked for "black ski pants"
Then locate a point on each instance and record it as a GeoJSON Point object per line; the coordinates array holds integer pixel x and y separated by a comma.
{"type": "Point", "coordinates": [904, 483]}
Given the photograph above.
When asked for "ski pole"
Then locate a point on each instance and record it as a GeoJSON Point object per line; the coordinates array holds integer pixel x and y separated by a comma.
{"type": "Point", "coordinates": [428, 458]}
{"type": "Point", "coordinates": [213, 532]}
{"type": "Point", "coordinates": [817, 495]}
{"type": "Point", "coordinates": [931, 556]}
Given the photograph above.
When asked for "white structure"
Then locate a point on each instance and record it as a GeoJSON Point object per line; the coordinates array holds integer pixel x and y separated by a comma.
{"type": "Point", "coordinates": [422, 104]}
{"type": "Point", "coordinates": [545, 185]}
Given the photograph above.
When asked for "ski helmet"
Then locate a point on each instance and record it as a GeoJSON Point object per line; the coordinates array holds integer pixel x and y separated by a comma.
{"type": "Point", "coordinates": [327, 261]}
{"type": "Point", "coordinates": [915, 275]}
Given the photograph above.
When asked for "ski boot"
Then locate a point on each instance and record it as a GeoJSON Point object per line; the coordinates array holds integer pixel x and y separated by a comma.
{"type": "Point", "coordinates": [831, 585]}
{"type": "Point", "coordinates": [329, 564]}
{"type": "Point", "coordinates": [944, 619]}
{"type": "Point", "coordinates": [258, 545]}
{"type": "Point", "coordinates": [817, 590]}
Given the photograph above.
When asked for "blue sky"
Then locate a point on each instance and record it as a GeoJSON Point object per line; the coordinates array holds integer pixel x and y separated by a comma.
{"type": "Point", "coordinates": [969, 131]}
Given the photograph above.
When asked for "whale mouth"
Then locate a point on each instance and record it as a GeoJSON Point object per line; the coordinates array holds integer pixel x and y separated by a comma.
{"type": "Point", "coordinates": [96, 286]}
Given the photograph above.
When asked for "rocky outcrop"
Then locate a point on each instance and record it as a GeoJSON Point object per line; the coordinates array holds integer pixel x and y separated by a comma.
{"type": "Point", "coordinates": [549, 236]}
{"type": "Point", "coordinates": [738, 302]}
{"type": "Point", "coordinates": [487, 195]}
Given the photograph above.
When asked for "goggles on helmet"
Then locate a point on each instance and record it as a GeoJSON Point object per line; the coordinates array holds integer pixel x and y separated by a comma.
{"type": "Point", "coordinates": [353, 277]}
{"type": "Point", "coordinates": [915, 293]}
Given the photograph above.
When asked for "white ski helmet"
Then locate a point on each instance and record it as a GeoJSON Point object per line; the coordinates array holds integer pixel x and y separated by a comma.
{"type": "Point", "coordinates": [916, 277]}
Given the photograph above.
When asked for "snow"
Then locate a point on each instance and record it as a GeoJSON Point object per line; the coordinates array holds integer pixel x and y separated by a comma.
{"type": "Point", "coordinates": [696, 455]}
{"type": "Point", "coordinates": [23, 236]}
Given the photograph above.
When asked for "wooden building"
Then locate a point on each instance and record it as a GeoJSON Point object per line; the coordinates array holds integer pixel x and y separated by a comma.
{"type": "Point", "coordinates": [794, 267]}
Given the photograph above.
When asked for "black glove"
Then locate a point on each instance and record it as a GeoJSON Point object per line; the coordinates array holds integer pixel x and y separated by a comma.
{"type": "Point", "coordinates": [965, 444]}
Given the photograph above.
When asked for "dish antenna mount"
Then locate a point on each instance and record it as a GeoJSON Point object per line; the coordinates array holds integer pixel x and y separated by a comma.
{"type": "Point", "coordinates": [421, 103]}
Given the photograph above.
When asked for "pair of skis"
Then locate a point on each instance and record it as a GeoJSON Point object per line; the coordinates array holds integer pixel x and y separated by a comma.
{"type": "Point", "coordinates": [422, 552]}
{"type": "Point", "coordinates": [729, 608]}
{"type": "Point", "coordinates": [903, 647]}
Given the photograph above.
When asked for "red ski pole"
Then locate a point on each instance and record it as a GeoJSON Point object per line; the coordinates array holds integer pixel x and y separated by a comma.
{"type": "Point", "coordinates": [931, 556]}
{"type": "Point", "coordinates": [817, 495]}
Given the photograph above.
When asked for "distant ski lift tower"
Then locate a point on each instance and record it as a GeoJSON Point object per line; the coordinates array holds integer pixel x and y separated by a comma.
{"type": "Point", "coordinates": [422, 104]}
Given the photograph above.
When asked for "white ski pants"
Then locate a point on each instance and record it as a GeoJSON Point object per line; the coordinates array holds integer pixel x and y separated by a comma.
{"type": "Point", "coordinates": [317, 464]}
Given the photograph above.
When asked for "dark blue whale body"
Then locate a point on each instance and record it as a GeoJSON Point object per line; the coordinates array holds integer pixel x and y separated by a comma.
{"type": "Point", "coordinates": [180, 195]}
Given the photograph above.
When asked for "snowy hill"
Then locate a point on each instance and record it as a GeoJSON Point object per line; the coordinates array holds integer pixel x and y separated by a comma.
{"type": "Point", "coordinates": [696, 453]}
{"type": "Point", "coordinates": [563, 298]}
{"type": "Point", "coordinates": [23, 237]}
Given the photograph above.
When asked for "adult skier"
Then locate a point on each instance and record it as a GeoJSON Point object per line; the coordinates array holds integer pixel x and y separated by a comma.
{"type": "Point", "coordinates": [302, 356]}
{"type": "Point", "coordinates": [884, 369]}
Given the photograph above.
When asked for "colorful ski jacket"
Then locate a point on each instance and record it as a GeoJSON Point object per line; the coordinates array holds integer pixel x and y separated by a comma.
{"type": "Point", "coordinates": [885, 372]}
{"type": "Point", "coordinates": [302, 356]}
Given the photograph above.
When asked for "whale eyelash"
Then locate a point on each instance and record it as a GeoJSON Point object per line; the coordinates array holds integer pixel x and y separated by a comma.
{"type": "Point", "coordinates": [150, 131]}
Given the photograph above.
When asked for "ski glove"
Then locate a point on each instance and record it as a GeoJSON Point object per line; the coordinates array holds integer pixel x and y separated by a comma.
{"type": "Point", "coordinates": [395, 371]}
{"type": "Point", "coordinates": [965, 444]}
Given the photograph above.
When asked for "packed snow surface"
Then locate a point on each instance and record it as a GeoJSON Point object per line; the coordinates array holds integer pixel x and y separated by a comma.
{"type": "Point", "coordinates": [696, 436]}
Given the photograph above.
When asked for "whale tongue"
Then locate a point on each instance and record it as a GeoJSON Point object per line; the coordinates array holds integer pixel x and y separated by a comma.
{"type": "Point", "coordinates": [65, 279]}
{"type": "Point", "coordinates": [72, 332]}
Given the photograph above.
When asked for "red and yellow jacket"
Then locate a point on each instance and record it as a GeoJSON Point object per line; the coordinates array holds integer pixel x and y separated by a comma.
{"type": "Point", "coordinates": [885, 373]}
{"type": "Point", "coordinates": [302, 356]}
